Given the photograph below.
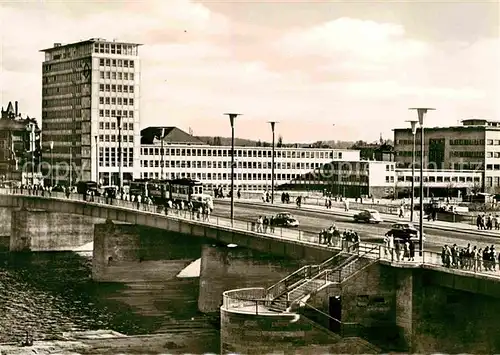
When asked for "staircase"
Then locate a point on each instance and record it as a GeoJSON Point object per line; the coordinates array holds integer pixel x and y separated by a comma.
{"type": "Point", "coordinates": [310, 279]}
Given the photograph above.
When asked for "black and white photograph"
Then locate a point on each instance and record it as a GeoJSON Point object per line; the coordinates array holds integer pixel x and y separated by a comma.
{"type": "Point", "coordinates": [296, 177]}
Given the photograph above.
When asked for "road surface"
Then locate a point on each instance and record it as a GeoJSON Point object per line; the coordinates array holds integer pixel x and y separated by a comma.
{"type": "Point", "coordinates": [313, 221]}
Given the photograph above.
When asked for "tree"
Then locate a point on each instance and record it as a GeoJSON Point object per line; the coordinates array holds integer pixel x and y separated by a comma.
{"type": "Point", "coordinates": [279, 144]}
{"type": "Point", "coordinates": [217, 141]}
{"type": "Point", "coordinates": [259, 143]}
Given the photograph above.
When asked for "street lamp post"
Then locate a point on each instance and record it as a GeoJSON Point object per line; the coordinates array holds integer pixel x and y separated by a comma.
{"type": "Point", "coordinates": [120, 179]}
{"type": "Point", "coordinates": [96, 161]}
{"type": "Point", "coordinates": [162, 152]}
{"type": "Point", "coordinates": [71, 165]}
{"type": "Point", "coordinates": [232, 116]}
{"type": "Point", "coordinates": [414, 133]}
{"type": "Point", "coordinates": [52, 163]}
{"type": "Point", "coordinates": [33, 146]}
{"type": "Point", "coordinates": [273, 124]}
{"type": "Point", "coordinates": [331, 171]}
{"type": "Point", "coordinates": [421, 112]}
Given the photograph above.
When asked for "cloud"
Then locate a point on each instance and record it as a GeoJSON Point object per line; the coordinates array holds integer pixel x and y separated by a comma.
{"type": "Point", "coordinates": [198, 64]}
{"type": "Point", "coordinates": [353, 38]}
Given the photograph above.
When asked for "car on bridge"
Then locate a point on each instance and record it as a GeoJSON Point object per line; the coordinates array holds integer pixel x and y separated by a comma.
{"type": "Point", "coordinates": [285, 220]}
{"type": "Point", "coordinates": [404, 231]}
{"type": "Point", "coordinates": [368, 216]}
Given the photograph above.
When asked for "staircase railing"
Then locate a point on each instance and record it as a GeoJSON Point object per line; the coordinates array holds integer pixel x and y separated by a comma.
{"type": "Point", "coordinates": [305, 272]}
{"type": "Point", "coordinates": [304, 289]}
{"type": "Point", "coordinates": [370, 252]}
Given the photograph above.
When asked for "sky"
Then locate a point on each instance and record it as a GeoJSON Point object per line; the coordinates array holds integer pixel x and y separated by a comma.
{"type": "Point", "coordinates": [325, 70]}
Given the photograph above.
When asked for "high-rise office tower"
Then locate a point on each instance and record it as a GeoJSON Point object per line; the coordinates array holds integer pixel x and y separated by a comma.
{"type": "Point", "coordinates": [89, 87]}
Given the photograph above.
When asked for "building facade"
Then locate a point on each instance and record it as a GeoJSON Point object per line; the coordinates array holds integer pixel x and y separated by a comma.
{"type": "Point", "coordinates": [187, 156]}
{"type": "Point", "coordinates": [87, 88]}
{"type": "Point", "coordinates": [20, 149]}
{"type": "Point", "coordinates": [474, 146]}
{"type": "Point", "coordinates": [350, 178]}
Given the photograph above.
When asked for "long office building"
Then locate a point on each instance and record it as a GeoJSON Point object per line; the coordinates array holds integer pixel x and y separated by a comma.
{"type": "Point", "coordinates": [339, 171]}
{"type": "Point", "coordinates": [187, 156]}
{"type": "Point", "coordinates": [87, 88]}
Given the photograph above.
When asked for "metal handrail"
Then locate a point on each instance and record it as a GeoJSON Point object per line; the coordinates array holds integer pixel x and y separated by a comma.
{"type": "Point", "coordinates": [322, 275]}
{"type": "Point", "coordinates": [281, 286]}
{"type": "Point", "coordinates": [429, 258]}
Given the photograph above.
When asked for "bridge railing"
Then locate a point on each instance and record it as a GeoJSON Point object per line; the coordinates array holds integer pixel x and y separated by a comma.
{"type": "Point", "coordinates": [477, 265]}
{"type": "Point", "coordinates": [277, 232]}
{"type": "Point", "coordinates": [248, 300]}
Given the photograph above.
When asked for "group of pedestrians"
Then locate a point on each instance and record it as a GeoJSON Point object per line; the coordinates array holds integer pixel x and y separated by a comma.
{"type": "Point", "coordinates": [485, 222]}
{"type": "Point", "coordinates": [332, 236]}
{"type": "Point", "coordinates": [399, 249]}
{"type": "Point", "coordinates": [264, 223]}
{"type": "Point", "coordinates": [470, 258]}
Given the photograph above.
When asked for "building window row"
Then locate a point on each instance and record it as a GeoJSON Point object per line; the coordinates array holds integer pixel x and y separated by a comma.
{"type": "Point", "coordinates": [121, 63]}
{"type": "Point", "coordinates": [67, 65]}
{"type": "Point", "coordinates": [441, 179]}
{"type": "Point", "coordinates": [493, 155]}
{"type": "Point", "coordinates": [452, 142]}
{"type": "Point", "coordinates": [493, 142]}
{"type": "Point", "coordinates": [406, 153]}
{"type": "Point", "coordinates": [466, 154]}
{"type": "Point", "coordinates": [73, 78]}
{"type": "Point", "coordinates": [241, 153]}
{"type": "Point", "coordinates": [108, 157]}
{"type": "Point", "coordinates": [116, 101]}
{"type": "Point", "coordinates": [113, 125]}
{"type": "Point", "coordinates": [223, 176]}
{"type": "Point", "coordinates": [115, 48]}
{"type": "Point", "coordinates": [407, 142]}
{"type": "Point", "coordinates": [466, 141]}
{"type": "Point", "coordinates": [115, 113]}
{"type": "Point", "coordinates": [226, 164]}
{"type": "Point", "coordinates": [112, 75]}
{"type": "Point", "coordinates": [114, 138]}
{"type": "Point", "coordinates": [66, 102]}
{"type": "Point", "coordinates": [116, 88]}
{"type": "Point", "coordinates": [492, 181]}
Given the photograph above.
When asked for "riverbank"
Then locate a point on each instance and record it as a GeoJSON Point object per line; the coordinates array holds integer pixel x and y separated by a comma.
{"type": "Point", "coordinates": [110, 342]}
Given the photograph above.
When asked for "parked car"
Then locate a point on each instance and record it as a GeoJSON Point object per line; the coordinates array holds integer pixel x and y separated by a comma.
{"type": "Point", "coordinates": [285, 220]}
{"type": "Point", "coordinates": [368, 216]}
{"type": "Point", "coordinates": [403, 232]}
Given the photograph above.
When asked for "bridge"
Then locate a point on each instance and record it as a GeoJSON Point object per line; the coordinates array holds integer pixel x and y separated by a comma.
{"type": "Point", "coordinates": [344, 294]}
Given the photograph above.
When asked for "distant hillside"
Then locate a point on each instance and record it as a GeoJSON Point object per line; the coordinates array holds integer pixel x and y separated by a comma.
{"type": "Point", "coordinates": [226, 141]}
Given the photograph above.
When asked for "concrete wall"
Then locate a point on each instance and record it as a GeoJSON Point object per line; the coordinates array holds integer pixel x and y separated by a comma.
{"type": "Point", "coordinates": [129, 252]}
{"type": "Point", "coordinates": [5, 218]}
{"type": "Point", "coordinates": [455, 317]}
{"type": "Point", "coordinates": [224, 268]}
{"type": "Point", "coordinates": [423, 310]}
{"type": "Point", "coordinates": [264, 334]}
{"type": "Point", "coordinates": [39, 230]}
{"type": "Point", "coordinates": [245, 333]}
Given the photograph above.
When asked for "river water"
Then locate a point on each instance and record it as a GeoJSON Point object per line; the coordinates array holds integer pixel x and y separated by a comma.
{"type": "Point", "coordinates": [51, 293]}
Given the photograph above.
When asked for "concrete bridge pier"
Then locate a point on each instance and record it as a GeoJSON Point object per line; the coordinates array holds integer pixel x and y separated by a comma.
{"type": "Point", "coordinates": [40, 230]}
{"type": "Point", "coordinates": [225, 268]}
{"type": "Point", "coordinates": [126, 252]}
{"type": "Point", "coordinates": [5, 218]}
